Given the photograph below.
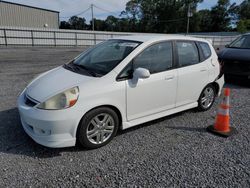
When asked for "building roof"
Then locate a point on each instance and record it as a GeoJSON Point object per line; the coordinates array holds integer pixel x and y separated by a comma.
{"type": "Point", "coordinates": [29, 6]}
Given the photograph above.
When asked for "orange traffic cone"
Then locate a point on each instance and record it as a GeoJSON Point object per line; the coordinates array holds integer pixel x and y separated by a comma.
{"type": "Point", "coordinates": [222, 123]}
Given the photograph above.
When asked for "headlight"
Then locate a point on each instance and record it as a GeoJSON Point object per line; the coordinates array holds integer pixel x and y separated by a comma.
{"type": "Point", "coordinates": [62, 100]}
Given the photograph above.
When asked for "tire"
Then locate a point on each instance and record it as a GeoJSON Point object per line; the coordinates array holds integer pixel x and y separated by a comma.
{"type": "Point", "coordinates": [208, 92]}
{"type": "Point", "coordinates": [97, 128]}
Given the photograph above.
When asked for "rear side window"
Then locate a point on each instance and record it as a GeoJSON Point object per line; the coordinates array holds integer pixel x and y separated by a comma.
{"type": "Point", "coordinates": [205, 49]}
{"type": "Point", "coordinates": [187, 53]}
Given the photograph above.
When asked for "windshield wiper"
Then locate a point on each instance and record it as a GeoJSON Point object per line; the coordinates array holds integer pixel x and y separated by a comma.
{"type": "Point", "coordinates": [70, 67]}
{"type": "Point", "coordinates": [92, 73]}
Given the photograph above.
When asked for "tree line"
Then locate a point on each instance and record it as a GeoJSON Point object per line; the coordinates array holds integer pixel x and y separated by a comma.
{"type": "Point", "coordinates": [170, 16]}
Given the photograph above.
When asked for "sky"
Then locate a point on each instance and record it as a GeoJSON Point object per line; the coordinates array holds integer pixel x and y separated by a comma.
{"type": "Point", "coordinates": [207, 4]}
{"type": "Point", "coordinates": [68, 8]}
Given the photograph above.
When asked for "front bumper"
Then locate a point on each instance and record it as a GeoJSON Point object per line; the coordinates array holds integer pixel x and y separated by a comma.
{"type": "Point", "coordinates": [50, 128]}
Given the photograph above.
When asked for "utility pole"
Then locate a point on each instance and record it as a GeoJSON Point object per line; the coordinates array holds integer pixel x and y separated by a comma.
{"type": "Point", "coordinates": [92, 13]}
{"type": "Point", "coordinates": [188, 17]}
{"type": "Point", "coordinates": [93, 22]}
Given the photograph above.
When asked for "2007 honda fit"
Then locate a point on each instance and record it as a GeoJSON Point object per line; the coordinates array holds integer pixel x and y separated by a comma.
{"type": "Point", "coordinates": [119, 83]}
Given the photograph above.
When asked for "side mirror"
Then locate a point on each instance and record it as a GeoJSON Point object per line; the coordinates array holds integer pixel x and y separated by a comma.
{"type": "Point", "coordinates": [227, 45]}
{"type": "Point", "coordinates": [141, 73]}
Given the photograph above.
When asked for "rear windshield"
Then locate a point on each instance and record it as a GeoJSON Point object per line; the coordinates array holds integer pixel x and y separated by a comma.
{"type": "Point", "coordinates": [241, 42]}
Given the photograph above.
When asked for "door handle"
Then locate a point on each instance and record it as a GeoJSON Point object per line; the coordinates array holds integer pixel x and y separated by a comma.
{"type": "Point", "coordinates": [169, 77]}
{"type": "Point", "coordinates": [203, 70]}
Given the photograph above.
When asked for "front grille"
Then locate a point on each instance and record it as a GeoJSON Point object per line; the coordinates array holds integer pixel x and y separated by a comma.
{"type": "Point", "coordinates": [29, 102]}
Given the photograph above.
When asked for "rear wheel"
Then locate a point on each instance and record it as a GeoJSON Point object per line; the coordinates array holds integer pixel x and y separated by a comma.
{"type": "Point", "coordinates": [98, 127]}
{"type": "Point", "coordinates": [207, 98]}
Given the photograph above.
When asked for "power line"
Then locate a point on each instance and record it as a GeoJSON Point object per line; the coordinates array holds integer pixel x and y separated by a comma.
{"type": "Point", "coordinates": [173, 20]}
{"type": "Point", "coordinates": [92, 6]}
{"type": "Point", "coordinates": [105, 10]}
{"type": "Point", "coordinates": [78, 14]}
{"type": "Point", "coordinates": [83, 12]}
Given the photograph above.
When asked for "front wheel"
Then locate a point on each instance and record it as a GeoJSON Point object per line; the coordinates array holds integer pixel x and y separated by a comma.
{"type": "Point", "coordinates": [97, 128]}
{"type": "Point", "coordinates": [207, 98]}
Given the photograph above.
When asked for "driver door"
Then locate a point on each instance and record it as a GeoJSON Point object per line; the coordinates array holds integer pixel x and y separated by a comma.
{"type": "Point", "coordinates": [158, 92]}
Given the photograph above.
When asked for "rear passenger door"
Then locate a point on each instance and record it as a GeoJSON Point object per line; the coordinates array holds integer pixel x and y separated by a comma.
{"type": "Point", "coordinates": [192, 72]}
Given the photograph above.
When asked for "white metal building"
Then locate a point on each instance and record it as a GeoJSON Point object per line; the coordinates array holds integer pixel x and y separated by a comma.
{"type": "Point", "coordinates": [18, 15]}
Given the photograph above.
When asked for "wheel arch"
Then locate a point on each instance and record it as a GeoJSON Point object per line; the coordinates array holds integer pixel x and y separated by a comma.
{"type": "Point", "coordinates": [216, 86]}
{"type": "Point", "coordinates": [114, 108]}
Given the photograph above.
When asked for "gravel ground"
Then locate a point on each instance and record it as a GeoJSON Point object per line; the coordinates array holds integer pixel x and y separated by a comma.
{"type": "Point", "coordinates": [175, 151]}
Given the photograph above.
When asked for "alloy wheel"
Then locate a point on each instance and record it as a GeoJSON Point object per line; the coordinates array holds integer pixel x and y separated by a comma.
{"type": "Point", "coordinates": [100, 128]}
{"type": "Point", "coordinates": [207, 97]}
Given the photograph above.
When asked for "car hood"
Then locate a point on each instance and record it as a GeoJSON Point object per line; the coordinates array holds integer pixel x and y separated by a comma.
{"type": "Point", "coordinates": [235, 54]}
{"type": "Point", "coordinates": [53, 82]}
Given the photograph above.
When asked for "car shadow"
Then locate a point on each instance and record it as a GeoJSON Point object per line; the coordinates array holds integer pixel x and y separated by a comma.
{"type": "Point", "coordinates": [13, 139]}
{"type": "Point", "coordinates": [160, 120]}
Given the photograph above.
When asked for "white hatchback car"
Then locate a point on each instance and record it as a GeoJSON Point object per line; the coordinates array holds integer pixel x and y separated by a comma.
{"type": "Point", "coordinates": [119, 83]}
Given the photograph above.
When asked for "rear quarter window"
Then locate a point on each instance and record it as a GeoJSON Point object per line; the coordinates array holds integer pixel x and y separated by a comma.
{"type": "Point", "coordinates": [187, 53]}
{"type": "Point", "coordinates": [205, 50]}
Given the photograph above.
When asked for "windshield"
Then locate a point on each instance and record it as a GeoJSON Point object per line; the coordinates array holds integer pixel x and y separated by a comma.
{"type": "Point", "coordinates": [241, 42]}
{"type": "Point", "coordinates": [104, 57]}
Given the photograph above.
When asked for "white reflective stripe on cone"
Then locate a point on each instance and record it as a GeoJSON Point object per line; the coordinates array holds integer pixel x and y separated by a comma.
{"type": "Point", "coordinates": [225, 101]}
{"type": "Point", "coordinates": [224, 112]}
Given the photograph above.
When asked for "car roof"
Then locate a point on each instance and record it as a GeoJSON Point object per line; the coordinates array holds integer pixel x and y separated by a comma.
{"type": "Point", "coordinates": [159, 37]}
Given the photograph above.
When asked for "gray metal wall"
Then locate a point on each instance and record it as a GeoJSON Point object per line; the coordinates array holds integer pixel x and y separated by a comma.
{"type": "Point", "coordinates": [24, 16]}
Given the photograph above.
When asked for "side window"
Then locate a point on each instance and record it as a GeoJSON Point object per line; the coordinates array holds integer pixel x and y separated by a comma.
{"type": "Point", "coordinates": [238, 42]}
{"type": "Point", "coordinates": [156, 58]}
{"type": "Point", "coordinates": [205, 49]}
{"type": "Point", "coordinates": [187, 53]}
